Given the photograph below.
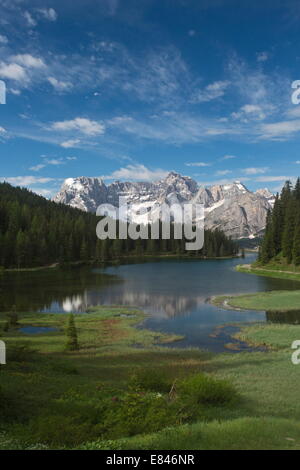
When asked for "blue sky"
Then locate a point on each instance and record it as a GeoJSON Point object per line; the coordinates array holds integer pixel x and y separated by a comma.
{"type": "Point", "coordinates": [132, 89]}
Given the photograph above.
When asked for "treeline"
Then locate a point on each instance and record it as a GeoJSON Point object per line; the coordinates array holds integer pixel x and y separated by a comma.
{"type": "Point", "coordinates": [35, 232]}
{"type": "Point", "coordinates": [282, 235]}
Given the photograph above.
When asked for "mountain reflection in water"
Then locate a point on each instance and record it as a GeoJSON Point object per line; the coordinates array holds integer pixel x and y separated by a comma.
{"type": "Point", "coordinates": [172, 292]}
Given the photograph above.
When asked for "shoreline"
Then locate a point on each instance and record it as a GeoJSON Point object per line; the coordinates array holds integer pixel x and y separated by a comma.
{"type": "Point", "coordinates": [117, 261]}
{"type": "Point", "coordinates": [274, 273]}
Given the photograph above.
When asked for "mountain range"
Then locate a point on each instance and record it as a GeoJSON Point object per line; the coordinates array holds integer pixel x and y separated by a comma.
{"type": "Point", "coordinates": [239, 212]}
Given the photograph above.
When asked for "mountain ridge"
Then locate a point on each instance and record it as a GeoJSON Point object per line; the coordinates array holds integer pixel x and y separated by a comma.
{"type": "Point", "coordinates": [230, 207]}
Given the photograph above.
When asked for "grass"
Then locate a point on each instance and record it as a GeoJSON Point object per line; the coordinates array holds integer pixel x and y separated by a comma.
{"type": "Point", "coordinates": [273, 301]}
{"type": "Point", "coordinates": [272, 270]}
{"type": "Point", "coordinates": [44, 386]}
{"type": "Point", "coordinates": [241, 433]}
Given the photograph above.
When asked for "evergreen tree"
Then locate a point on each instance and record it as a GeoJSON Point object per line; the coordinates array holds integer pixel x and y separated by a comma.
{"type": "Point", "coordinates": [71, 332]}
{"type": "Point", "coordinates": [267, 247]}
{"type": "Point", "coordinates": [282, 234]}
{"type": "Point", "coordinates": [288, 232]}
{"type": "Point", "coordinates": [12, 318]}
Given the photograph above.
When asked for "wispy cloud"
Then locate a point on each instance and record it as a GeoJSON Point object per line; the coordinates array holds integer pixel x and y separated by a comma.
{"type": "Point", "coordinates": [29, 20]}
{"type": "Point", "coordinates": [200, 164]}
{"type": "Point", "coordinates": [3, 39]}
{"type": "Point", "coordinates": [255, 171]}
{"type": "Point", "coordinates": [228, 157]}
{"type": "Point", "coordinates": [51, 161]}
{"type": "Point", "coordinates": [48, 13]}
{"type": "Point", "coordinates": [210, 92]}
{"type": "Point", "coordinates": [59, 85]}
{"type": "Point", "coordinates": [262, 56]}
{"type": "Point", "coordinates": [281, 130]}
{"type": "Point", "coordinates": [223, 172]}
{"type": "Point", "coordinates": [70, 143]}
{"type": "Point", "coordinates": [26, 180]}
{"type": "Point", "coordinates": [82, 125]}
{"type": "Point", "coordinates": [137, 172]}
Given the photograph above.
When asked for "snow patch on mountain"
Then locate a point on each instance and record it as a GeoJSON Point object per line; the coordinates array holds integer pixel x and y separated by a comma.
{"type": "Point", "coordinates": [230, 207]}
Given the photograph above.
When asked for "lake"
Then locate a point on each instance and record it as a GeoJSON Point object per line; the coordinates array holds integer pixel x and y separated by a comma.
{"type": "Point", "coordinates": [173, 292]}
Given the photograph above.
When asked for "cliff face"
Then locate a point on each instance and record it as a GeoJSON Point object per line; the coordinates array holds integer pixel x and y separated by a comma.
{"type": "Point", "coordinates": [231, 207]}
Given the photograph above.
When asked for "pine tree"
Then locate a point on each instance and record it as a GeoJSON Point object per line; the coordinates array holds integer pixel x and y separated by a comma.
{"type": "Point", "coordinates": [12, 318]}
{"type": "Point", "coordinates": [267, 247]}
{"type": "Point", "coordinates": [296, 244]}
{"type": "Point", "coordinates": [83, 251]}
{"type": "Point", "coordinates": [277, 225]}
{"type": "Point", "coordinates": [71, 332]}
{"type": "Point", "coordinates": [297, 190]}
{"type": "Point", "coordinates": [288, 232]}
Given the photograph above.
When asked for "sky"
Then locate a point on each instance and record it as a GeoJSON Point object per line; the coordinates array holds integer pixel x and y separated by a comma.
{"type": "Point", "coordinates": [133, 89]}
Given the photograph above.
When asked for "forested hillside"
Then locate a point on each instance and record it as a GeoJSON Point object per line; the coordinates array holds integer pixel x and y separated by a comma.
{"type": "Point", "coordinates": [35, 232]}
{"type": "Point", "coordinates": [282, 235]}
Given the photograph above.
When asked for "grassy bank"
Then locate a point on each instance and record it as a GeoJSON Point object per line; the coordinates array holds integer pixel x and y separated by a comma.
{"type": "Point", "coordinates": [273, 301]}
{"type": "Point", "coordinates": [56, 399]}
{"type": "Point", "coordinates": [276, 271]}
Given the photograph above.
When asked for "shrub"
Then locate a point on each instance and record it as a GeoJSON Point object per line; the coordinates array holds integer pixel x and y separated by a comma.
{"type": "Point", "coordinates": [151, 379]}
{"type": "Point", "coordinates": [203, 389]}
{"type": "Point", "coordinates": [59, 430]}
{"type": "Point", "coordinates": [137, 413]}
{"type": "Point", "coordinates": [20, 353]}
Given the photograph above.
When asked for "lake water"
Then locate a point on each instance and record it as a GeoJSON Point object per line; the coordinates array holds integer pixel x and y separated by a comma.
{"type": "Point", "coordinates": [173, 292]}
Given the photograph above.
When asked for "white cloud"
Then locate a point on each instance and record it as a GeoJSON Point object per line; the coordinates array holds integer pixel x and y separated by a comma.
{"type": "Point", "coordinates": [2, 130]}
{"type": "Point", "coordinates": [293, 112]}
{"type": "Point", "coordinates": [175, 128]}
{"type": "Point", "coordinates": [200, 164]}
{"type": "Point", "coordinates": [262, 56]}
{"type": "Point", "coordinates": [13, 72]}
{"type": "Point", "coordinates": [192, 32]}
{"type": "Point", "coordinates": [25, 180]}
{"type": "Point", "coordinates": [59, 85]}
{"type": "Point", "coordinates": [228, 157]}
{"type": "Point", "coordinates": [255, 171]}
{"type": "Point", "coordinates": [249, 112]}
{"type": "Point", "coordinates": [212, 91]}
{"type": "Point", "coordinates": [48, 13]}
{"type": "Point", "coordinates": [29, 19]}
{"type": "Point", "coordinates": [223, 172]}
{"type": "Point", "coordinates": [37, 167]}
{"type": "Point", "coordinates": [27, 60]}
{"type": "Point", "coordinates": [269, 179]}
{"type": "Point", "coordinates": [55, 161]}
{"type": "Point", "coordinates": [3, 39]}
{"type": "Point", "coordinates": [83, 125]}
{"type": "Point", "coordinates": [70, 143]}
{"type": "Point", "coordinates": [44, 192]}
{"type": "Point", "coordinates": [137, 172]}
{"type": "Point", "coordinates": [50, 161]}
{"type": "Point", "coordinates": [280, 130]}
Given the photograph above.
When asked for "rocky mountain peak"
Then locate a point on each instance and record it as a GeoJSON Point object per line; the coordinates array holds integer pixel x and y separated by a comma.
{"type": "Point", "coordinates": [230, 207]}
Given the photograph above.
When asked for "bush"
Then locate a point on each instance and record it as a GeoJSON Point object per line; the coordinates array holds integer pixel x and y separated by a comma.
{"type": "Point", "coordinates": [58, 430]}
{"type": "Point", "coordinates": [153, 380]}
{"type": "Point", "coordinates": [20, 353]}
{"type": "Point", "coordinates": [137, 412]}
{"type": "Point", "coordinates": [203, 389]}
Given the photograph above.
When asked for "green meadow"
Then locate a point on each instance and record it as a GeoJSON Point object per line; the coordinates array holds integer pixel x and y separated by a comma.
{"type": "Point", "coordinates": [124, 390]}
{"type": "Point", "coordinates": [271, 301]}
